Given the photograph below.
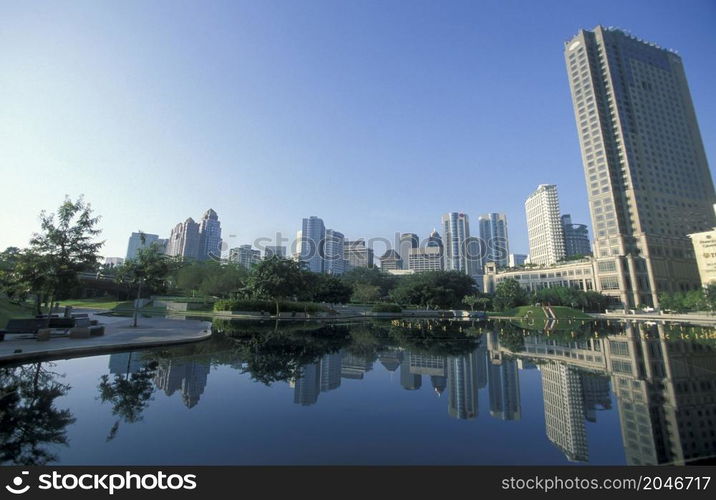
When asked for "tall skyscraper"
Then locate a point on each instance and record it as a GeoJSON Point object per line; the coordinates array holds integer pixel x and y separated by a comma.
{"type": "Point", "coordinates": [493, 233]}
{"type": "Point", "coordinates": [644, 163]}
{"type": "Point", "coordinates": [210, 236]}
{"type": "Point", "coordinates": [135, 243]}
{"type": "Point", "coordinates": [310, 250]}
{"type": "Point", "coordinates": [185, 240]}
{"type": "Point", "coordinates": [576, 238]}
{"type": "Point", "coordinates": [333, 250]}
{"type": "Point", "coordinates": [544, 226]}
{"type": "Point", "coordinates": [407, 242]}
{"type": "Point", "coordinates": [456, 229]}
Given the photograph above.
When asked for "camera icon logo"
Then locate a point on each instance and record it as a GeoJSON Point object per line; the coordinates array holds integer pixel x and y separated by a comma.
{"type": "Point", "coordinates": [16, 488]}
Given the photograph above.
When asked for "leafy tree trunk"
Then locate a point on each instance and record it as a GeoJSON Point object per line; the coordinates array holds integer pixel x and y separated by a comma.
{"type": "Point", "coordinates": [277, 308]}
{"type": "Point", "coordinates": [136, 305]}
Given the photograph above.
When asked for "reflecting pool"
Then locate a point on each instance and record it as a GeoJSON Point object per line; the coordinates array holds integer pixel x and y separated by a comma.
{"type": "Point", "coordinates": [392, 392]}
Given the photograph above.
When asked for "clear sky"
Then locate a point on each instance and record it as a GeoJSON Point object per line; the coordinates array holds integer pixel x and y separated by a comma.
{"type": "Point", "coordinates": [377, 116]}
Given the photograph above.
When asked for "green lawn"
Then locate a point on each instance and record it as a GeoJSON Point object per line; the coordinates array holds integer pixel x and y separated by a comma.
{"type": "Point", "coordinates": [10, 311]}
{"type": "Point", "coordinates": [99, 303]}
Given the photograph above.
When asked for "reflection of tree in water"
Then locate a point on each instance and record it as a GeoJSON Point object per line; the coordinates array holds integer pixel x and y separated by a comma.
{"type": "Point", "coordinates": [273, 355]}
{"type": "Point", "coordinates": [438, 338]}
{"type": "Point", "coordinates": [29, 419]}
{"type": "Point", "coordinates": [129, 393]}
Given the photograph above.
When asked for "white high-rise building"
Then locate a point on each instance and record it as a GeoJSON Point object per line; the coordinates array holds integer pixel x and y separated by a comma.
{"type": "Point", "coordinates": [544, 225]}
{"type": "Point", "coordinates": [456, 229]}
{"type": "Point", "coordinates": [313, 234]}
{"type": "Point", "coordinates": [333, 249]}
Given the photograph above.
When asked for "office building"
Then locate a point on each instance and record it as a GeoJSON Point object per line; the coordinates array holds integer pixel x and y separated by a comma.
{"type": "Point", "coordinates": [333, 251]}
{"type": "Point", "coordinates": [313, 233]}
{"type": "Point", "coordinates": [705, 250]}
{"type": "Point", "coordinates": [245, 256]}
{"type": "Point", "coordinates": [210, 236]}
{"type": "Point", "coordinates": [517, 259]}
{"type": "Point", "coordinates": [185, 240]}
{"type": "Point", "coordinates": [408, 241]}
{"type": "Point", "coordinates": [113, 261]}
{"type": "Point", "coordinates": [493, 233]}
{"type": "Point", "coordinates": [544, 226]}
{"type": "Point", "coordinates": [275, 251]}
{"type": "Point", "coordinates": [357, 254]}
{"type": "Point", "coordinates": [137, 241]}
{"type": "Point", "coordinates": [391, 261]}
{"type": "Point", "coordinates": [456, 229]}
{"type": "Point", "coordinates": [429, 257]}
{"type": "Point", "coordinates": [647, 177]}
{"type": "Point", "coordinates": [576, 238]}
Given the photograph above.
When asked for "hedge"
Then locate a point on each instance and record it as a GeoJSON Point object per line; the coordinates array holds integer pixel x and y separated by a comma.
{"type": "Point", "coordinates": [387, 308]}
{"type": "Point", "coordinates": [267, 306]}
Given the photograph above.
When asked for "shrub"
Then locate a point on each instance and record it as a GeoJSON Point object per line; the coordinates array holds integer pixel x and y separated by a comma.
{"type": "Point", "coordinates": [387, 308]}
{"type": "Point", "coordinates": [267, 306]}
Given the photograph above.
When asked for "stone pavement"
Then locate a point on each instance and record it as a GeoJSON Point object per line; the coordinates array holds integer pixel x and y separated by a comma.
{"type": "Point", "coordinates": [118, 335]}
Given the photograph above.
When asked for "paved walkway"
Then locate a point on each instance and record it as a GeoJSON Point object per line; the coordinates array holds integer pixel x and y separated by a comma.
{"type": "Point", "coordinates": [118, 335]}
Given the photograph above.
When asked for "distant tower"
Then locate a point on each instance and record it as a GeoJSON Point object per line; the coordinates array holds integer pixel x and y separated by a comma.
{"type": "Point", "coordinates": [544, 226]}
{"type": "Point", "coordinates": [313, 234]}
{"type": "Point", "coordinates": [185, 240]}
{"type": "Point", "coordinates": [408, 241]}
{"type": "Point", "coordinates": [210, 233]}
{"type": "Point", "coordinates": [135, 243]}
{"type": "Point", "coordinates": [333, 248]}
{"type": "Point", "coordinates": [493, 233]}
{"type": "Point", "coordinates": [457, 231]}
{"type": "Point", "coordinates": [576, 238]}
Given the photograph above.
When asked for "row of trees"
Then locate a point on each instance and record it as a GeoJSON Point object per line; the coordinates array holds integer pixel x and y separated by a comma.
{"type": "Point", "coordinates": [509, 294]}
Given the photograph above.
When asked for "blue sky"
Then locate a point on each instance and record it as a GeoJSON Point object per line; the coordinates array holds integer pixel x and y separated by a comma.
{"type": "Point", "coordinates": [378, 116]}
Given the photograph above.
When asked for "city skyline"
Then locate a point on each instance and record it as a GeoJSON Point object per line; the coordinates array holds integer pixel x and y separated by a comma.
{"type": "Point", "coordinates": [67, 118]}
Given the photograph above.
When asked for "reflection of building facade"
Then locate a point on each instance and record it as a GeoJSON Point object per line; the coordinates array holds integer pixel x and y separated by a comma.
{"type": "Point", "coordinates": [354, 367]}
{"type": "Point", "coordinates": [187, 376]}
{"type": "Point", "coordinates": [463, 383]}
{"type": "Point", "coordinates": [122, 363]}
{"type": "Point", "coordinates": [564, 410]}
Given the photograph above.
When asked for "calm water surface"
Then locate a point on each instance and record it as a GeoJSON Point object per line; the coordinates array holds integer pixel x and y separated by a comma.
{"type": "Point", "coordinates": [375, 393]}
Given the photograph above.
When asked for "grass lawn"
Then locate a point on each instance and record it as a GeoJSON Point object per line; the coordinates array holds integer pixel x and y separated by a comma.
{"type": "Point", "coordinates": [10, 311]}
{"type": "Point", "coordinates": [109, 304]}
{"type": "Point", "coordinates": [537, 313]}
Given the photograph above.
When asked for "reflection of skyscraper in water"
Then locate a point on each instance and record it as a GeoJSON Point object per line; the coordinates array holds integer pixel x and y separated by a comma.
{"type": "Point", "coordinates": [187, 376]}
{"type": "Point", "coordinates": [564, 410]}
{"type": "Point", "coordinates": [409, 381]}
{"type": "Point", "coordinates": [595, 390]}
{"type": "Point", "coordinates": [331, 365]}
{"type": "Point", "coordinates": [481, 363]}
{"type": "Point", "coordinates": [390, 359]}
{"type": "Point", "coordinates": [121, 363]}
{"type": "Point", "coordinates": [462, 385]}
{"type": "Point", "coordinates": [355, 367]}
{"type": "Point", "coordinates": [666, 394]}
{"type": "Point", "coordinates": [307, 385]}
{"type": "Point", "coordinates": [431, 365]}
{"type": "Point", "coordinates": [504, 386]}
{"type": "Point", "coordinates": [322, 376]}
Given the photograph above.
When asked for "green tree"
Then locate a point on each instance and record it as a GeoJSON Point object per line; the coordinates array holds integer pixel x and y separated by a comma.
{"type": "Point", "coordinates": [710, 297]}
{"type": "Point", "coordinates": [509, 294]}
{"type": "Point", "coordinates": [331, 289]}
{"type": "Point", "coordinates": [275, 279]}
{"type": "Point", "coordinates": [363, 293]}
{"type": "Point", "coordinates": [147, 272]}
{"type": "Point", "coordinates": [64, 247]}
